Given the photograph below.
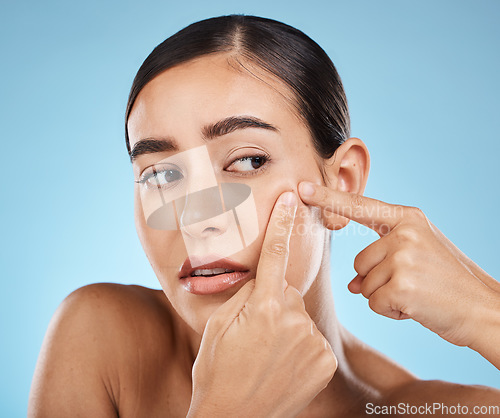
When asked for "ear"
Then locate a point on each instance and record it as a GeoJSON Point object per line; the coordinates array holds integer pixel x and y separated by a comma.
{"type": "Point", "coordinates": [347, 170]}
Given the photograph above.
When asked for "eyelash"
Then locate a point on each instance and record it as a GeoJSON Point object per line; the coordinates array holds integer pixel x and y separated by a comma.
{"type": "Point", "coordinates": [266, 158]}
{"type": "Point", "coordinates": [144, 177]}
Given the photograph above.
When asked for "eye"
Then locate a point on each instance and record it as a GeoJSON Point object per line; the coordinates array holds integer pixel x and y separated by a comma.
{"type": "Point", "coordinates": [248, 163]}
{"type": "Point", "coordinates": [160, 178]}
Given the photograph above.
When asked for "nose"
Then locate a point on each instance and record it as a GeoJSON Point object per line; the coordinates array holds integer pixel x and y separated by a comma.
{"type": "Point", "coordinates": [201, 214]}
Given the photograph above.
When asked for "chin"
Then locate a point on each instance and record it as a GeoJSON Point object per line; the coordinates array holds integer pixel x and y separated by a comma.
{"type": "Point", "coordinates": [195, 310]}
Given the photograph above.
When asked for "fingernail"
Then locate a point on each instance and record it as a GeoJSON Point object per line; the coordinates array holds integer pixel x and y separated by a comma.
{"type": "Point", "coordinates": [288, 199]}
{"type": "Point", "coordinates": [306, 189]}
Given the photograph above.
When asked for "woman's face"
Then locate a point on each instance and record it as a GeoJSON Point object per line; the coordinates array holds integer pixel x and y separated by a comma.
{"type": "Point", "coordinates": [176, 106]}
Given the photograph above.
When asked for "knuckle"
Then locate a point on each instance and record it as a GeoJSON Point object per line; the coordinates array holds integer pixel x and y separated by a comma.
{"type": "Point", "coordinates": [329, 364]}
{"type": "Point", "coordinates": [292, 291]}
{"type": "Point", "coordinates": [407, 234]}
{"type": "Point", "coordinates": [365, 290]}
{"type": "Point", "coordinates": [270, 307]}
{"type": "Point", "coordinates": [284, 219]}
{"type": "Point", "coordinates": [324, 196]}
{"type": "Point", "coordinates": [358, 263]}
{"type": "Point", "coordinates": [293, 295]}
{"type": "Point", "coordinates": [301, 325]}
{"type": "Point", "coordinates": [375, 303]}
{"type": "Point", "coordinates": [215, 323]}
{"type": "Point", "coordinates": [356, 203]}
{"type": "Point", "coordinates": [276, 248]}
{"type": "Point", "coordinates": [331, 361]}
{"type": "Point", "coordinates": [402, 286]}
{"type": "Point", "coordinates": [414, 213]}
{"type": "Point", "coordinates": [402, 259]}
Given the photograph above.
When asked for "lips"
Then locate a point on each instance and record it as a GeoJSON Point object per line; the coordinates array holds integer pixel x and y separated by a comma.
{"type": "Point", "coordinates": [212, 277]}
{"type": "Point", "coordinates": [220, 263]}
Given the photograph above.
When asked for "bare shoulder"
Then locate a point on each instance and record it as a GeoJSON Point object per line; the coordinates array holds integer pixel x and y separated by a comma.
{"type": "Point", "coordinates": [445, 398]}
{"type": "Point", "coordinates": [114, 304]}
{"type": "Point", "coordinates": [396, 391]}
{"type": "Point", "coordinates": [110, 313]}
{"type": "Point", "coordinates": [93, 337]}
{"type": "Point", "coordinates": [374, 369]}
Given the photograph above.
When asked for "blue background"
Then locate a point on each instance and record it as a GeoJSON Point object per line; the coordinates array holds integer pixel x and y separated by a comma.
{"type": "Point", "coordinates": [423, 87]}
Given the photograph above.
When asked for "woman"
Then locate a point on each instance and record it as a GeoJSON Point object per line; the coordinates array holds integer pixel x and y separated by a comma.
{"type": "Point", "coordinates": [238, 132]}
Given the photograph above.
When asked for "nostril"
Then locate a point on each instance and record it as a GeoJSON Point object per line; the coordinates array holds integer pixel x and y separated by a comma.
{"type": "Point", "coordinates": [212, 231]}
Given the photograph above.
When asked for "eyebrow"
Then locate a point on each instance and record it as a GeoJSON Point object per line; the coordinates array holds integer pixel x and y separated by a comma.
{"type": "Point", "coordinates": [210, 131]}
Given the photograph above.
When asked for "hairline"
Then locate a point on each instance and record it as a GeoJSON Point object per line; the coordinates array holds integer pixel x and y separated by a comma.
{"type": "Point", "coordinates": [233, 60]}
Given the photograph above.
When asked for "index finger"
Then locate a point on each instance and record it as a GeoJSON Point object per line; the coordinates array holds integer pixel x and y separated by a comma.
{"type": "Point", "coordinates": [270, 278]}
{"type": "Point", "coordinates": [377, 215]}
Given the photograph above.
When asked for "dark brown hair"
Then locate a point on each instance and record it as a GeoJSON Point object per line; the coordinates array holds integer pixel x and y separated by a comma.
{"type": "Point", "coordinates": [283, 51]}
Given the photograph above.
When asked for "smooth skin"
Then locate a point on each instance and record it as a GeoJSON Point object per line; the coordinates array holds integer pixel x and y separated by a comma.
{"type": "Point", "coordinates": [271, 346]}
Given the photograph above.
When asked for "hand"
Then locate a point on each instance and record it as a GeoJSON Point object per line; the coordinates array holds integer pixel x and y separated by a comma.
{"type": "Point", "coordinates": [413, 270]}
{"type": "Point", "coordinates": [261, 354]}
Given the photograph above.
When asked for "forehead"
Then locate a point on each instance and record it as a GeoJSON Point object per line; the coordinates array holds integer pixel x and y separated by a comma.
{"type": "Point", "coordinates": [192, 94]}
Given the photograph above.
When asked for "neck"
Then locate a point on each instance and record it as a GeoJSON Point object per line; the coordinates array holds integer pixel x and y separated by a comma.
{"type": "Point", "coordinates": [341, 392]}
{"type": "Point", "coordinates": [320, 307]}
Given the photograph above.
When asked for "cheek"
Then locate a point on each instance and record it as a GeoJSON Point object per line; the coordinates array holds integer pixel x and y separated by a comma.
{"type": "Point", "coordinates": [265, 196]}
{"type": "Point", "coordinates": [163, 249]}
{"type": "Point", "coordinates": [306, 241]}
{"type": "Point", "coordinates": [306, 248]}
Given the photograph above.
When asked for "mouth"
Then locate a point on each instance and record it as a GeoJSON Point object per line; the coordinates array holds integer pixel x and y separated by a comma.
{"type": "Point", "coordinates": [214, 277]}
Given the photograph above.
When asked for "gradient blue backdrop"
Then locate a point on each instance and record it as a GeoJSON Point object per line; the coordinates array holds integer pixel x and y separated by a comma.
{"type": "Point", "coordinates": [423, 88]}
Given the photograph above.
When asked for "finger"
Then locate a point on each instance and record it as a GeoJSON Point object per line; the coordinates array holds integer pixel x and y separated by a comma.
{"type": "Point", "coordinates": [332, 220]}
{"type": "Point", "coordinates": [294, 299]}
{"type": "Point", "coordinates": [382, 302]}
{"type": "Point", "coordinates": [225, 314]}
{"type": "Point", "coordinates": [354, 285]}
{"type": "Point", "coordinates": [371, 256]}
{"type": "Point", "coordinates": [380, 216]}
{"type": "Point", "coordinates": [375, 279]}
{"type": "Point", "coordinates": [270, 277]}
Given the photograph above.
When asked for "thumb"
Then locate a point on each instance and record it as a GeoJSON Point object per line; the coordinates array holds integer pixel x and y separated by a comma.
{"type": "Point", "coordinates": [224, 315]}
